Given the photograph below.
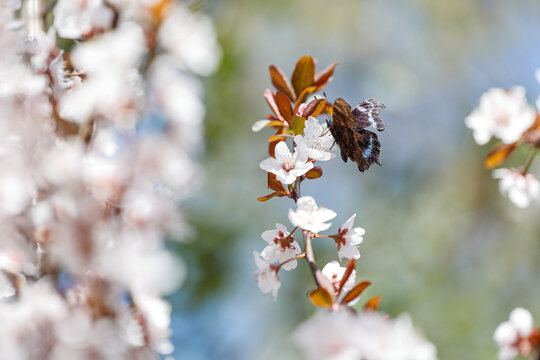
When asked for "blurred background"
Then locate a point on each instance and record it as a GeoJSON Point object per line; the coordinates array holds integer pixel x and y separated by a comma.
{"type": "Point", "coordinates": [441, 245]}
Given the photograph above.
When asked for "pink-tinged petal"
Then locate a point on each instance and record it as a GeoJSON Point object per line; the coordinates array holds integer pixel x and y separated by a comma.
{"type": "Point", "coordinates": [270, 165]}
{"type": "Point", "coordinates": [282, 228]}
{"type": "Point", "coordinates": [269, 235]}
{"type": "Point", "coordinates": [349, 223]}
{"type": "Point", "coordinates": [349, 252]}
{"type": "Point", "coordinates": [282, 152]}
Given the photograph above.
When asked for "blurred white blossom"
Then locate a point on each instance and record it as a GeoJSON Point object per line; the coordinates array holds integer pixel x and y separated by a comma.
{"type": "Point", "coordinates": [91, 171]}
{"type": "Point", "coordinates": [266, 276]}
{"type": "Point", "coordinates": [512, 336]}
{"type": "Point", "coordinates": [502, 113]}
{"type": "Point", "coordinates": [367, 336]}
{"type": "Point", "coordinates": [521, 189]}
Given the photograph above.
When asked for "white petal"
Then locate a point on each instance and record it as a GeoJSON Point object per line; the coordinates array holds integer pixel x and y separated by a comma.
{"type": "Point", "coordinates": [522, 320]}
{"type": "Point", "coordinates": [348, 224]}
{"type": "Point", "coordinates": [259, 125]}
{"type": "Point", "coordinates": [505, 334]}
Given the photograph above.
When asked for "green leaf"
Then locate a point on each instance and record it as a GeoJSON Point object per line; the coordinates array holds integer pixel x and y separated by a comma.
{"type": "Point", "coordinates": [298, 125]}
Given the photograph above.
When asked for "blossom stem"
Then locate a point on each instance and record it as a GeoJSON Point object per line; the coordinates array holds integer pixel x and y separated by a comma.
{"type": "Point", "coordinates": [528, 162]}
{"type": "Point", "coordinates": [310, 257]}
{"type": "Point", "coordinates": [323, 236]}
{"type": "Point", "coordinates": [302, 255]}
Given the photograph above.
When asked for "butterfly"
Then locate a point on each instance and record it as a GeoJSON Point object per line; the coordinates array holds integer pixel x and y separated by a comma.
{"type": "Point", "coordinates": [348, 127]}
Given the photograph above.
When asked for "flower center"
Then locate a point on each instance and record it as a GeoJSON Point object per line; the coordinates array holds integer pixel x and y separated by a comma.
{"type": "Point", "coordinates": [288, 164]}
{"type": "Point", "coordinates": [340, 238]}
{"type": "Point", "coordinates": [284, 242]}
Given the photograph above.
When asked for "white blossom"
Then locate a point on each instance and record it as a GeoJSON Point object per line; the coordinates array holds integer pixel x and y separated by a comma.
{"type": "Point", "coordinates": [510, 334]}
{"type": "Point", "coordinates": [285, 165]}
{"type": "Point", "coordinates": [281, 247]}
{"type": "Point", "coordinates": [504, 114]}
{"type": "Point", "coordinates": [366, 336]}
{"type": "Point", "coordinates": [266, 276]}
{"type": "Point", "coordinates": [191, 38]}
{"type": "Point", "coordinates": [75, 19]}
{"type": "Point", "coordinates": [316, 141]}
{"type": "Point", "coordinates": [308, 216]}
{"type": "Point", "coordinates": [334, 272]}
{"type": "Point", "coordinates": [348, 238]}
{"type": "Point", "coordinates": [521, 189]}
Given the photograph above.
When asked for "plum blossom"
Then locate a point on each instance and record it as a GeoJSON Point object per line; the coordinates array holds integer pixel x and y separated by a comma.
{"type": "Point", "coordinates": [520, 188]}
{"type": "Point", "coordinates": [348, 238]}
{"type": "Point", "coordinates": [308, 216]}
{"type": "Point", "coordinates": [504, 114]}
{"type": "Point", "coordinates": [282, 247]}
{"type": "Point", "coordinates": [316, 141]}
{"type": "Point", "coordinates": [287, 166]}
{"type": "Point", "coordinates": [267, 277]}
{"type": "Point", "coordinates": [334, 272]}
{"type": "Point", "coordinates": [75, 19]}
{"type": "Point", "coordinates": [191, 38]}
{"type": "Point", "coordinates": [517, 336]}
{"type": "Point", "coordinates": [367, 336]}
{"type": "Point", "coordinates": [87, 190]}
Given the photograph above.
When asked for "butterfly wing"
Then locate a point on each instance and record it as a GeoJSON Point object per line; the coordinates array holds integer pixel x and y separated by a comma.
{"type": "Point", "coordinates": [367, 114]}
{"type": "Point", "coordinates": [359, 145]}
{"type": "Point", "coordinates": [367, 150]}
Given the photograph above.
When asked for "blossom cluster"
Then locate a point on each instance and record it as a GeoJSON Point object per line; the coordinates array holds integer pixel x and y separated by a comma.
{"type": "Point", "coordinates": [98, 143]}
{"type": "Point", "coordinates": [507, 116]}
{"type": "Point", "coordinates": [518, 336]}
{"type": "Point", "coordinates": [341, 332]}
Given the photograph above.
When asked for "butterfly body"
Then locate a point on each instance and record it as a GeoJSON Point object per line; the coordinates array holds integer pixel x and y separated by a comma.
{"type": "Point", "coordinates": [348, 129]}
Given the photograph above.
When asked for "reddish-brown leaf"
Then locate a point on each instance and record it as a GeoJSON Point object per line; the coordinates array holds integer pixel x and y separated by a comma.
{"type": "Point", "coordinates": [498, 155]}
{"type": "Point", "coordinates": [280, 82]}
{"type": "Point", "coordinates": [278, 138]}
{"type": "Point", "coordinates": [270, 99]}
{"type": "Point", "coordinates": [355, 292]}
{"type": "Point", "coordinates": [274, 184]}
{"type": "Point", "coordinates": [314, 173]}
{"type": "Point", "coordinates": [322, 298]}
{"type": "Point", "coordinates": [314, 108]}
{"type": "Point", "coordinates": [284, 106]}
{"type": "Point", "coordinates": [303, 95]}
{"type": "Point", "coordinates": [303, 74]}
{"type": "Point", "coordinates": [322, 78]}
{"type": "Point", "coordinates": [373, 303]}
{"type": "Point", "coordinates": [348, 271]}
{"type": "Point", "coordinates": [274, 194]}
